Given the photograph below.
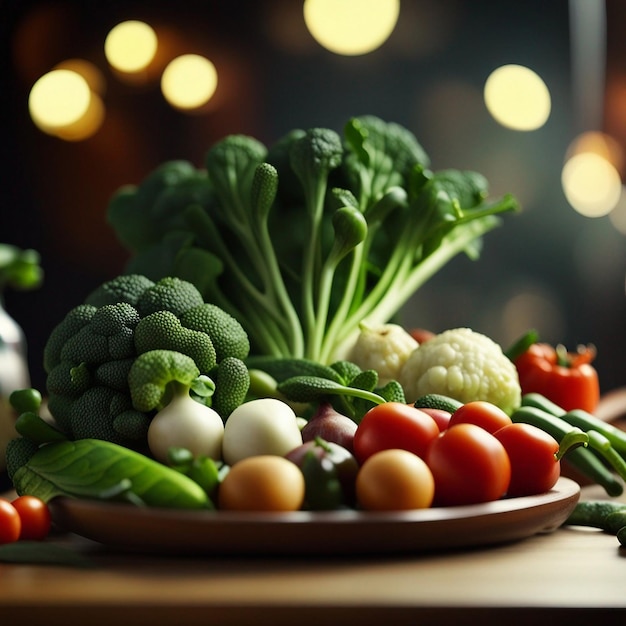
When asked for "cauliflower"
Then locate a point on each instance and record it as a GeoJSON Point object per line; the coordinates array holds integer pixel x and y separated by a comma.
{"type": "Point", "coordinates": [464, 365]}
{"type": "Point", "coordinates": [384, 348]}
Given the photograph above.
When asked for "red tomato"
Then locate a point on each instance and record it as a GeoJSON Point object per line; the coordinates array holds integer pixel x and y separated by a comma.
{"type": "Point", "coordinates": [483, 414]}
{"type": "Point", "coordinates": [534, 467]}
{"type": "Point", "coordinates": [35, 517]}
{"type": "Point", "coordinates": [469, 466]}
{"type": "Point", "coordinates": [441, 417]}
{"type": "Point", "coordinates": [10, 523]}
{"type": "Point", "coordinates": [393, 425]}
{"type": "Point", "coordinates": [421, 335]}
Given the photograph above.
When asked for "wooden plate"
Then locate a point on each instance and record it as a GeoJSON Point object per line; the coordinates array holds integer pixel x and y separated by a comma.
{"type": "Point", "coordinates": [316, 533]}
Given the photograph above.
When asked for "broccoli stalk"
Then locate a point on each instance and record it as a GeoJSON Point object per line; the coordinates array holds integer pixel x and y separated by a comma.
{"type": "Point", "coordinates": [170, 383]}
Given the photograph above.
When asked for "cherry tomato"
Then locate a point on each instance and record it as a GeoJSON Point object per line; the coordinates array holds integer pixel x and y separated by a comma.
{"type": "Point", "coordinates": [394, 480]}
{"type": "Point", "coordinates": [10, 523]}
{"type": "Point", "coordinates": [421, 335]}
{"type": "Point", "coordinates": [35, 517]}
{"type": "Point", "coordinates": [483, 414]}
{"type": "Point", "coordinates": [534, 467]}
{"type": "Point", "coordinates": [393, 425]}
{"type": "Point", "coordinates": [441, 416]}
{"type": "Point", "coordinates": [262, 483]}
{"type": "Point", "coordinates": [469, 466]}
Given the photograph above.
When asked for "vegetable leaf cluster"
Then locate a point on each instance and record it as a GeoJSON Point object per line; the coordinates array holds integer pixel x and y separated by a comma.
{"type": "Point", "coordinates": [303, 240]}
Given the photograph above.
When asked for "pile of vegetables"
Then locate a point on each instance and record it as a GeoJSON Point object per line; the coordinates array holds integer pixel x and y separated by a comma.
{"type": "Point", "coordinates": [247, 359]}
{"type": "Point", "coordinates": [298, 434]}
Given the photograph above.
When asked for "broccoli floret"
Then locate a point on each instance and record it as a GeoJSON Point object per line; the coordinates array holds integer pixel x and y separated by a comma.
{"type": "Point", "coordinates": [169, 294]}
{"type": "Point", "coordinates": [464, 365]}
{"type": "Point", "coordinates": [70, 380]}
{"type": "Point", "coordinates": [76, 319]}
{"type": "Point", "coordinates": [163, 330]}
{"type": "Point", "coordinates": [232, 382]}
{"type": "Point", "coordinates": [125, 288]}
{"type": "Point", "coordinates": [18, 453]}
{"type": "Point", "coordinates": [153, 371]}
{"type": "Point", "coordinates": [227, 334]}
{"type": "Point", "coordinates": [107, 336]}
{"type": "Point", "coordinates": [114, 374]}
{"type": "Point", "coordinates": [93, 415]}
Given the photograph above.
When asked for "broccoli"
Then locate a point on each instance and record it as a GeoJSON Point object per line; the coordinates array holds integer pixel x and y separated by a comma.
{"type": "Point", "coordinates": [162, 329]}
{"type": "Point", "coordinates": [170, 382]}
{"type": "Point", "coordinates": [305, 239]}
{"type": "Point", "coordinates": [227, 334]}
{"type": "Point", "coordinates": [462, 364]}
{"type": "Point", "coordinates": [91, 353]}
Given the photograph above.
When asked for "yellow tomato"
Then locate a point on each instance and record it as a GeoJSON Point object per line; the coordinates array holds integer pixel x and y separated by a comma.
{"type": "Point", "coordinates": [394, 480]}
{"type": "Point", "coordinates": [262, 483]}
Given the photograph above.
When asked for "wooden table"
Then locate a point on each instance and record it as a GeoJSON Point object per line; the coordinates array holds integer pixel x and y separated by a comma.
{"type": "Point", "coordinates": [572, 574]}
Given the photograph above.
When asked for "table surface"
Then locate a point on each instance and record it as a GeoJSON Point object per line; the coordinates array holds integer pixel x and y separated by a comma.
{"type": "Point", "coordinates": [566, 574]}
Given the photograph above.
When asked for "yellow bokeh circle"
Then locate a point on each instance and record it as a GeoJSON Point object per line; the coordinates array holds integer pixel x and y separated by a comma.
{"type": "Point", "coordinates": [189, 81]}
{"type": "Point", "coordinates": [351, 27]}
{"type": "Point", "coordinates": [517, 98]}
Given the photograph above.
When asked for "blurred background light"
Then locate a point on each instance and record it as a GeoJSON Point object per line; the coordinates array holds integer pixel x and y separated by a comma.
{"type": "Point", "coordinates": [351, 27]}
{"type": "Point", "coordinates": [189, 81]}
{"type": "Point", "coordinates": [517, 97]}
{"type": "Point", "coordinates": [617, 216]}
{"type": "Point", "coordinates": [131, 46]}
{"type": "Point", "coordinates": [58, 99]}
{"type": "Point", "coordinates": [591, 184]}
{"type": "Point", "coordinates": [532, 308]}
{"type": "Point", "coordinates": [90, 72]}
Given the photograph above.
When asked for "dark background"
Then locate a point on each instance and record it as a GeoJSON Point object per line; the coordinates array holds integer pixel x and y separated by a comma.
{"type": "Point", "coordinates": [274, 77]}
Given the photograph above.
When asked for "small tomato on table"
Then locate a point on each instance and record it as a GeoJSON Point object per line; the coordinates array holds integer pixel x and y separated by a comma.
{"type": "Point", "coordinates": [567, 378]}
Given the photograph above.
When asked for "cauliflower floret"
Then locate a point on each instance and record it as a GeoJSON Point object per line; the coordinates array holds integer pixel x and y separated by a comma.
{"type": "Point", "coordinates": [384, 348]}
{"type": "Point", "coordinates": [462, 364]}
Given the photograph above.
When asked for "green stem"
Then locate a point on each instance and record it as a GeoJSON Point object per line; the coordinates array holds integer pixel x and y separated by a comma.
{"type": "Point", "coordinates": [310, 270]}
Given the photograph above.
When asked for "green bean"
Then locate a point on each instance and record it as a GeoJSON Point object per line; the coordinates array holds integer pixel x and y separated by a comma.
{"type": "Point", "coordinates": [587, 421]}
{"type": "Point", "coordinates": [599, 443]}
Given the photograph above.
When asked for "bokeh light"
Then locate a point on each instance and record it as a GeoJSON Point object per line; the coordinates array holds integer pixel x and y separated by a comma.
{"type": "Point", "coordinates": [617, 216]}
{"type": "Point", "coordinates": [591, 184]}
{"type": "Point", "coordinates": [351, 27]}
{"type": "Point", "coordinates": [189, 81]}
{"type": "Point", "coordinates": [131, 46]}
{"type": "Point", "coordinates": [58, 99]}
{"type": "Point", "coordinates": [532, 308]}
{"type": "Point", "coordinates": [517, 98]}
{"type": "Point", "coordinates": [90, 72]}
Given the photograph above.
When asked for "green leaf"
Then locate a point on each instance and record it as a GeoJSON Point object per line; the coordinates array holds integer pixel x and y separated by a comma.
{"type": "Point", "coordinates": [91, 468]}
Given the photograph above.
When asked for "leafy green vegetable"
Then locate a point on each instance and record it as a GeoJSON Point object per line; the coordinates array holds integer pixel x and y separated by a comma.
{"type": "Point", "coordinates": [303, 240]}
{"type": "Point", "coordinates": [92, 468]}
{"type": "Point", "coordinates": [351, 390]}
